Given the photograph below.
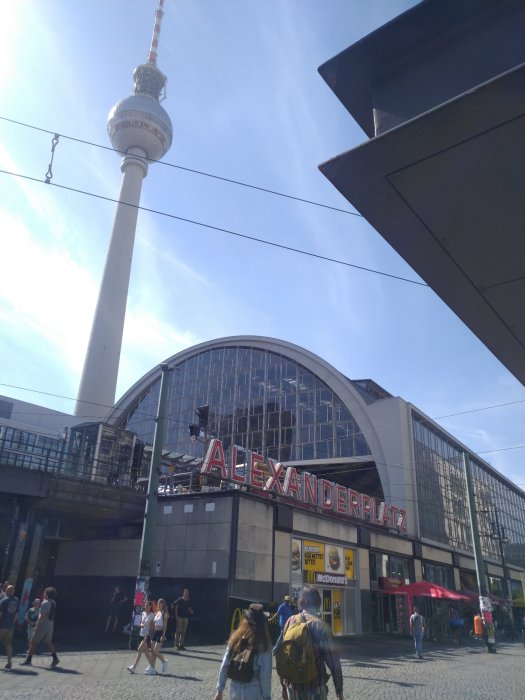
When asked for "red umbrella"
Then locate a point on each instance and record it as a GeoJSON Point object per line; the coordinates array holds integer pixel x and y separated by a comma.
{"type": "Point", "coordinates": [425, 588]}
{"type": "Point", "coordinates": [473, 596]}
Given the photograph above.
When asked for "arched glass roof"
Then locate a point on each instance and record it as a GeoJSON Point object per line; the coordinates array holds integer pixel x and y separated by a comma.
{"type": "Point", "coordinates": [259, 400]}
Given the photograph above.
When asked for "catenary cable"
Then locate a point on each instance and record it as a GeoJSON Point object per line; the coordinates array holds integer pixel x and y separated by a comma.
{"type": "Point", "coordinates": [190, 170]}
{"type": "Point", "coordinates": [254, 239]}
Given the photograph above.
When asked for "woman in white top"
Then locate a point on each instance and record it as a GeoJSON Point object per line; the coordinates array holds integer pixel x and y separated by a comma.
{"type": "Point", "coordinates": [160, 624]}
{"type": "Point", "coordinates": [146, 630]}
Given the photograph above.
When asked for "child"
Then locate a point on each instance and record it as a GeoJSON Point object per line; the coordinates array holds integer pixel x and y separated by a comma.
{"type": "Point", "coordinates": [31, 619]}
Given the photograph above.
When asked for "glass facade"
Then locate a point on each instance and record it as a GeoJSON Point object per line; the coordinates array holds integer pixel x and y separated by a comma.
{"type": "Point", "coordinates": [389, 566]}
{"type": "Point", "coordinates": [259, 401]}
{"type": "Point", "coordinates": [102, 453]}
{"type": "Point", "coordinates": [21, 448]}
{"type": "Point", "coordinates": [442, 497]}
{"type": "Point", "coordinates": [90, 452]}
{"type": "Point", "coordinates": [440, 574]}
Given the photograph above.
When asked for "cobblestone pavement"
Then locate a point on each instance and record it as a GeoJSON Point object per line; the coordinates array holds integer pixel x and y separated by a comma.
{"type": "Point", "coordinates": [376, 669]}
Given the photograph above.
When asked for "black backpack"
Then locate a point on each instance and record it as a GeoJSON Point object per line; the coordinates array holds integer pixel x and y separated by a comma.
{"type": "Point", "coordinates": [240, 666]}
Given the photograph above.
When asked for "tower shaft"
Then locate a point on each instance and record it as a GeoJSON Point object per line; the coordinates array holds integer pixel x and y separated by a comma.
{"type": "Point", "coordinates": [99, 377]}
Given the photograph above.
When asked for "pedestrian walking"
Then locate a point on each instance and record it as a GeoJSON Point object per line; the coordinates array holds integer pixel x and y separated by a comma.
{"type": "Point", "coordinates": [44, 628]}
{"type": "Point", "coordinates": [146, 631]}
{"type": "Point", "coordinates": [283, 612]}
{"type": "Point", "coordinates": [3, 590]}
{"type": "Point", "coordinates": [116, 600]}
{"type": "Point", "coordinates": [417, 629]}
{"type": "Point", "coordinates": [319, 636]}
{"type": "Point", "coordinates": [160, 625]}
{"type": "Point", "coordinates": [8, 609]}
{"type": "Point", "coordinates": [454, 623]}
{"type": "Point", "coordinates": [182, 609]}
{"type": "Point", "coordinates": [252, 637]}
{"type": "Point", "coordinates": [31, 619]}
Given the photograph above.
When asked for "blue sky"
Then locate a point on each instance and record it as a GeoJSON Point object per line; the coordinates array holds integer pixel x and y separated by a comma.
{"type": "Point", "coordinates": [246, 103]}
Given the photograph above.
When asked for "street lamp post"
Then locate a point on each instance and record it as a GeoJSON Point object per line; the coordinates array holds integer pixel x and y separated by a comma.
{"type": "Point", "coordinates": [142, 586]}
{"type": "Point", "coordinates": [499, 534]}
{"type": "Point", "coordinates": [484, 600]}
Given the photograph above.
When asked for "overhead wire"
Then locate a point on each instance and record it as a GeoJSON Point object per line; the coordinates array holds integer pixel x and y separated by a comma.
{"type": "Point", "coordinates": [220, 229]}
{"type": "Point", "coordinates": [189, 170]}
{"type": "Point", "coordinates": [247, 237]}
{"type": "Point", "coordinates": [151, 416]}
{"type": "Point", "coordinates": [144, 417]}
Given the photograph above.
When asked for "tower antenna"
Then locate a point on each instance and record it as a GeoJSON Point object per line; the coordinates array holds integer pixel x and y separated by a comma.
{"type": "Point", "coordinates": [159, 14]}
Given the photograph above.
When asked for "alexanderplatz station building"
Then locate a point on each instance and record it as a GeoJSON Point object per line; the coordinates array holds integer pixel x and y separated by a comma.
{"type": "Point", "coordinates": [297, 474]}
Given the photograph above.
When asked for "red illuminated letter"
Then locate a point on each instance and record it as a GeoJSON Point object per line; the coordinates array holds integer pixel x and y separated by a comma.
{"type": "Point", "coordinates": [214, 459]}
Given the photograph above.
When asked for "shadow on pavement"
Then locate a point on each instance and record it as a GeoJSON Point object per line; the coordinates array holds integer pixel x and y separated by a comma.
{"type": "Point", "coordinates": [22, 672]}
{"type": "Point", "coordinates": [369, 649]}
{"type": "Point", "coordinates": [60, 670]}
{"type": "Point", "coordinates": [390, 681]}
{"type": "Point", "coordinates": [212, 657]}
{"type": "Point", "coordinates": [203, 651]}
{"type": "Point", "coordinates": [367, 664]}
{"type": "Point", "coordinates": [380, 649]}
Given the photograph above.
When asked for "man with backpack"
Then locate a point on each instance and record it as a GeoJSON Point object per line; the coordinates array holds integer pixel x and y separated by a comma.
{"type": "Point", "coordinates": [307, 648]}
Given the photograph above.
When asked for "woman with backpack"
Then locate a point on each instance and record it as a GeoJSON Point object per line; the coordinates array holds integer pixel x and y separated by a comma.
{"type": "Point", "coordinates": [248, 659]}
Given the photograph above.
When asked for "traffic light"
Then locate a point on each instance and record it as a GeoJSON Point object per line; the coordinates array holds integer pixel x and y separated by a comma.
{"type": "Point", "coordinates": [203, 412]}
{"type": "Point", "coordinates": [195, 431]}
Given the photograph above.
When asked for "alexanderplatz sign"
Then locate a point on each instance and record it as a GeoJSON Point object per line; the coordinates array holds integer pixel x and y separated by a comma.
{"type": "Point", "coordinates": [274, 477]}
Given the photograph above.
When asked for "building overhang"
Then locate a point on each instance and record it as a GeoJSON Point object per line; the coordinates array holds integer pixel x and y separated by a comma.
{"type": "Point", "coordinates": [446, 191]}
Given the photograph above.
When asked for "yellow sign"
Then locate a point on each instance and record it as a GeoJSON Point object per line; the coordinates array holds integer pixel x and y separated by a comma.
{"type": "Point", "coordinates": [349, 564]}
{"type": "Point", "coordinates": [313, 556]}
{"type": "Point", "coordinates": [236, 619]}
{"type": "Point", "coordinates": [309, 577]}
{"type": "Point", "coordinates": [337, 619]}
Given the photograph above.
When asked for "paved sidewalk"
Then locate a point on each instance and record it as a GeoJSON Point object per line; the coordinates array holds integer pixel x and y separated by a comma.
{"type": "Point", "coordinates": [375, 668]}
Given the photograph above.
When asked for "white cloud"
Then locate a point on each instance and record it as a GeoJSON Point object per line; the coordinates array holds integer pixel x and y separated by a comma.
{"type": "Point", "coordinates": [37, 278]}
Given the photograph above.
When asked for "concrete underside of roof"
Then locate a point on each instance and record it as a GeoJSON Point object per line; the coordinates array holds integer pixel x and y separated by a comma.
{"type": "Point", "coordinates": [447, 191]}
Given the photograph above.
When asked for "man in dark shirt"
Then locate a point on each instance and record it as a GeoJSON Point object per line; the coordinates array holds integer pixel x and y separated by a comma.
{"type": "Point", "coordinates": [8, 608]}
{"type": "Point", "coordinates": [183, 610]}
{"type": "Point", "coordinates": [117, 599]}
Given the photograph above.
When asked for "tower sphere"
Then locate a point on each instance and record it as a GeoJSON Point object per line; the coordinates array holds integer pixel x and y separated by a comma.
{"type": "Point", "coordinates": [140, 121]}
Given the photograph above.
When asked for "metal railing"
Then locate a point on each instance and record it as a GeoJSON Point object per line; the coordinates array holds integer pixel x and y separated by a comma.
{"type": "Point", "coordinates": [57, 462]}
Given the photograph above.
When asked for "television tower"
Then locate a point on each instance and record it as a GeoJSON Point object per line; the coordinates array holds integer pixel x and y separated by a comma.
{"type": "Point", "coordinates": [140, 128]}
